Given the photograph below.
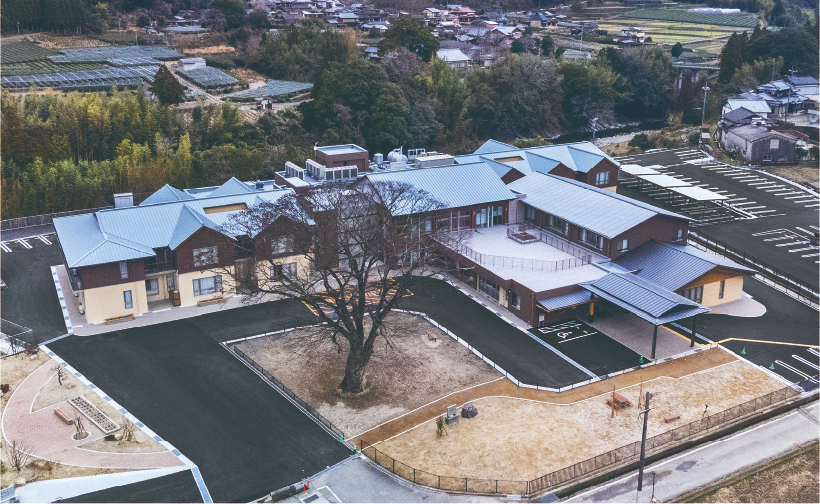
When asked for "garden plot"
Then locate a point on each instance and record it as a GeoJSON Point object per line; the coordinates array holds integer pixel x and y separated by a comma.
{"type": "Point", "coordinates": [671, 32]}
{"type": "Point", "coordinates": [414, 372]}
{"type": "Point", "coordinates": [517, 439]}
{"type": "Point", "coordinates": [743, 20]}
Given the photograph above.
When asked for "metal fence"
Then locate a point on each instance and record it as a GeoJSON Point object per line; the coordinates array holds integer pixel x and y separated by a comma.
{"type": "Point", "coordinates": [289, 393]}
{"type": "Point", "coordinates": [530, 264]}
{"type": "Point", "coordinates": [807, 293]}
{"type": "Point", "coordinates": [41, 220]}
{"type": "Point", "coordinates": [11, 335]}
{"type": "Point", "coordinates": [550, 239]}
{"type": "Point", "coordinates": [625, 454]}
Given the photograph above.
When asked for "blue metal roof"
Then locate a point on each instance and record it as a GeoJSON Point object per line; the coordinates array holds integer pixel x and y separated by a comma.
{"type": "Point", "coordinates": [121, 234]}
{"type": "Point", "coordinates": [674, 266]}
{"type": "Point", "coordinates": [232, 186]}
{"type": "Point", "coordinates": [646, 299]}
{"type": "Point", "coordinates": [165, 194]}
{"type": "Point", "coordinates": [493, 146]}
{"type": "Point", "coordinates": [597, 210]}
{"type": "Point", "coordinates": [453, 185]}
{"type": "Point", "coordinates": [558, 302]}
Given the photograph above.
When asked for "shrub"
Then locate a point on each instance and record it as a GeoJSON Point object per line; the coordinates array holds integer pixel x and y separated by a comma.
{"type": "Point", "coordinates": [641, 141]}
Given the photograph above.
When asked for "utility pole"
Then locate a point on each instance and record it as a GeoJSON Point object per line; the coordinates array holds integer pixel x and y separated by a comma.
{"type": "Point", "coordinates": [706, 88]}
{"type": "Point", "coordinates": [645, 414]}
{"type": "Point", "coordinates": [792, 71]}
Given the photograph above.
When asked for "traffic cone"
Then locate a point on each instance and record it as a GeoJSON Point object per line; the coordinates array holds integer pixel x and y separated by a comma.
{"type": "Point", "coordinates": [772, 366]}
{"type": "Point", "coordinates": [641, 361]}
{"type": "Point", "coordinates": [743, 352]}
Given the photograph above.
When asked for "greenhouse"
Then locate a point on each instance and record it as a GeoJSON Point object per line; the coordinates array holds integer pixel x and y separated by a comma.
{"type": "Point", "coordinates": [104, 54]}
{"type": "Point", "coordinates": [208, 77]}
{"type": "Point", "coordinates": [91, 80]}
{"type": "Point", "coordinates": [270, 89]}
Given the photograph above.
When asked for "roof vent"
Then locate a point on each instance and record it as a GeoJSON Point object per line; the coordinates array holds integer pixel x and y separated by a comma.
{"type": "Point", "coordinates": [123, 200]}
{"type": "Point", "coordinates": [260, 185]}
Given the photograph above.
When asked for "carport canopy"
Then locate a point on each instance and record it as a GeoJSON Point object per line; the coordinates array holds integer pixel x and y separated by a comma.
{"type": "Point", "coordinates": [698, 193]}
{"type": "Point", "coordinates": [635, 170]}
{"type": "Point", "coordinates": [664, 181]}
{"type": "Point", "coordinates": [648, 300]}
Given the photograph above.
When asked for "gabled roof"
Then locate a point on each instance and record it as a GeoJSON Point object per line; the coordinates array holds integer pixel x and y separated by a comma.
{"type": "Point", "coordinates": [597, 210]}
{"type": "Point", "coordinates": [453, 55]}
{"type": "Point", "coordinates": [453, 185]}
{"type": "Point", "coordinates": [674, 265]}
{"type": "Point", "coordinates": [121, 234]}
{"type": "Point", "coordinates": [802, 81]}
{"type": "Point", "coordinates": [645, 299]}
{"type": "Point", "coordinates": [756, 106]}
{"type": "Point", "coordinates": [232, 186]}
{"type": "Point", "coordinates": [165, 194]}
{"type": "Point", "coordinates": [493, 146]}
{"type": "Point", "coordinates": [739, 114]}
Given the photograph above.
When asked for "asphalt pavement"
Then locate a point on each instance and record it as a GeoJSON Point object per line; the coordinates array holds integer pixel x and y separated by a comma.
{"type": "Point", "coordinates": [177, 487]}
{"type": "Point", "coordinates": [30, 298]}
{"type": "Point", "coordinates": [246, 439]}
{"type": "Point", "coordinates": [782, 337]}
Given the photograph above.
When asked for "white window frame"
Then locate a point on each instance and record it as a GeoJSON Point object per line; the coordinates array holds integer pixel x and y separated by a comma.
{"type": "Point", "coordinates": [677, 235]}
{"type": "Point", "coordinates": [623, 245]}
{"type": "Point", "coordinates": [128, 298]}
{"type": "Point", "coordinates": [514, 299]}
{"type": "Point", "coordinates": [151, 292]}
{"type": "Point", "coordinates": [206, 256]}
{"type": "Point", "coordinates": [602, 178]}
{"type": "Point", "coordinates": [280, 270]}
{"type": "Point", "coordinates": [281, 245]}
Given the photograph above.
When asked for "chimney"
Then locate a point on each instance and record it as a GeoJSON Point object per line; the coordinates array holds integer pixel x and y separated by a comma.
{"type": "Point", "coordinates": [123, 200]}
{"type": "Point", "coordinates": [768, 127]}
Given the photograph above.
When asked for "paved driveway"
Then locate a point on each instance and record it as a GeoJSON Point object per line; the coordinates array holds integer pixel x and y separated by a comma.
{"type": "Point", "coordinates": [245, 437]}
{"type": "Point", "coordinates": [30, 298]}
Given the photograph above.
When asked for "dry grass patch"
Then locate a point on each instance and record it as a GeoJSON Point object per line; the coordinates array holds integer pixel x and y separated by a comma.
{"type": "Point", "coordinates": [39, 470]}
{"type": "Point", "coordinates": [214, 49]}
{"type": "Point", "coordinates": [799, 174]}
{"type": "Point", "coordinates": [15, 369]}
{"type": "Point", "coordinates": [412, 372]}
{"type": "Point", "coordinates": [519, 439]}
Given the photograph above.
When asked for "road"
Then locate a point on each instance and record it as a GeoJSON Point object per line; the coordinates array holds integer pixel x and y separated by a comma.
{"type": "Point", "coordinates": [700, 467]}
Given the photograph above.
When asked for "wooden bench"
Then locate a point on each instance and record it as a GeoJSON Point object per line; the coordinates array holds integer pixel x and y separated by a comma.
{"type": "Point", "coordinates": [431, 336]}
{"type": "Point", "coordinates": [671, 417]}
{"type": "Point", "coordinates": [207, 302]}
{"type": "Point", "coordinates": [118, 320]}
{"type": "Point", "coordinates": [63, 416]}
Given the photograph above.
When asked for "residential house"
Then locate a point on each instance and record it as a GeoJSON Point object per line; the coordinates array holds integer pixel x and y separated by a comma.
{"type": "Point", "coordinates": [760, 145]}
{"type": "Point", "coordinates": [454, 57]}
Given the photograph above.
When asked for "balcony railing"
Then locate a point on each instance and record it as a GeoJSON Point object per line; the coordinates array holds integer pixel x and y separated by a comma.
{"type": "Point", "coordinates": [550, 239]}
{"type": "Point", "coordinates": [158, 266]}
{"type": "Point", "coordinates": [530, 264]}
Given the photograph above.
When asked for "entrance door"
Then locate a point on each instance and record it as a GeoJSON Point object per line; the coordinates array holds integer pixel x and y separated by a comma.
{"type": "Point", "coordinates": [171, 283]}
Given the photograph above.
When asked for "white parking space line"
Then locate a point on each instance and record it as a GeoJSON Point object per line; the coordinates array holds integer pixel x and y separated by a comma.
{"type": "Point", "coordinates": [5, 247]}
{"type": "Point", "coordinates": [789, 193]}
{"type": "Point", "coordinates": [806, 201]}
{"type": "Point", "coordinates": [804, 230]}
{"type": "Point", "coordinates": [44, 239]}
{"type": "Point", "coordinates": [751, 207]}
{"type": "Point", "coordinates": [764, 211]}
{"type": "Point", "coordinates": [811, 255]}
{"type": "Point", "coordinates": [758, 183]}
{"type": "Point", "coordinates": [812, 206]}
{"type": "Point", "coordinates": [801, 249]}
{"type": "Point", "coordinates": [795, 197]}
{"type": "Point", "coordinates": [804, 361]}
{"type": "Point", "coordinates": [774, 189]}
{"type": "Point", "coordinates": [741, 204]}
{"type": "Point", "coordinates": [801, 242]}
{"type": "Point", "coordinates": [23, 243]}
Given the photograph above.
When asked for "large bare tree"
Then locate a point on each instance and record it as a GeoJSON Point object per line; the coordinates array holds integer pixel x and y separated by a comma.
{"type": "Point", "coordinates": [359, 248]}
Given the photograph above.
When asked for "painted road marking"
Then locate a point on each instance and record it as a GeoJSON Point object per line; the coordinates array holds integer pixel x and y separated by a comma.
{"type": "Point", "coordinates": [793, 369]}
{"type": "Point", "coordinates": [812, 206]}
{"type": "Point", "coordinates": [770, 342]}
{"type": "Point", "coordinates": [764, 211]}
{"type": "Point", "coordinates": [804, 361]}
{"type": "Point", "coordinates": [801, 242]}
{"type": "Point", "coordinates": [24, 243]}
{"type": "Point", "coordinates": [802, 249]}
{"type": "Point", "coordinates": [5, 247]}
{"type": "Point", "coordinates": [807, 201]}
{"type": "Point", "coordinates": [44, 239]}
{"type": "Point", "coordinates": [804, 230]}
{"type": "Point", "coordinates": [795, 197]}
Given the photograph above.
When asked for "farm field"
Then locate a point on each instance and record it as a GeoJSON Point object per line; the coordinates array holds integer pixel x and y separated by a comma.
{"type": "Point", "coordinates": [670, 32]}
{"type": "Point", "coordinates": [682, 16]}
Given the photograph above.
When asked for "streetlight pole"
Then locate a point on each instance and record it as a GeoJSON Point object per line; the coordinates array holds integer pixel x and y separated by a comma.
{"type": "Point", "coordinates": [706, 88]}
{"type": "Point", "coordinates": [645, 414]}
{"type": "Point", "coordinates": [788, 103]}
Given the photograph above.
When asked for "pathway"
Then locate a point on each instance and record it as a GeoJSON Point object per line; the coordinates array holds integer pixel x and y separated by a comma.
{"type": "Point", "coordinates": [49, 438]}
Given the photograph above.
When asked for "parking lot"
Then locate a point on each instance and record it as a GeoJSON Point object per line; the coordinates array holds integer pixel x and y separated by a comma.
{"type": "Point", "coordinates": [588, 347]}
{"type": "Point", "coordinates": [29, 298]}
{"type": "Point", "coordinates": [777, 219]}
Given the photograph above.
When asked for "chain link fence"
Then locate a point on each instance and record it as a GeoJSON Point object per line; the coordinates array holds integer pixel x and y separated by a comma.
{"type": "Point", "coordinates": [625, 454]}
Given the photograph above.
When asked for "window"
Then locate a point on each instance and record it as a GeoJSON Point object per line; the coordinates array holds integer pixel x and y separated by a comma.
{"type": "Point", "coordinates": [151, 287]}
{"type": "Point", "coordinates": [171, 283]}
{"type": "Point", "coordinates": [482, 218]}
{"type": "Point", "coordinates": [722, 289]}
{"type": "Point", "coordinates": [205, 256]}
{"type": "Point", "coordinates": [283, 270]}
{"type": "Point", "coordinates": [529, 214]}
{"type": "Point", "coordinates": [498, 215]}
{"type": "Point", "coordinates": [123, 269]}
{"type": "Point", "coordinates": [767, 158]}
{"type": "Point", "coordinates": [515, 301]}
{"type": "Point", "coordinates": [281, 244]}
{"type": "Point", "coordinates": [677, 235]}
{"type": "Point", "coordinates": [622, 245]}
{"type": "Point", "coordinates": [557, 223]}
{"type": "Point", "coordinates": [488, 287]}
{"type": "Point", "coordinates": [488, 217]}
{"type": "Point", "coordinates": [694, 293]}
{"type": "Point", "coordinates": [207, 285]}
{"type": "Point", "coordinates": [129, 303]}
{"type": "Point", "coordinates": [420, 225]}
{"type": "Point", "coordinates": [591, 238]}
{"type": "Point", "coordinates": [602, 178]}
{"type": "Point", "coordinates": [774, 144]}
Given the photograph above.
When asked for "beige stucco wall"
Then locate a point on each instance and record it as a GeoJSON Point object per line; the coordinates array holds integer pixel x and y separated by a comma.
{"type": "Point", "coordinates": [732, 291]}
{"type": "Point", "coordinates": [262, 268]}
{"type": "Point", "coordinates": [611, 188]}
{"type": "Point", "coordinates": [186, 286]}
{"type": "Point", "coordinates": [108, 302]}
{"type": "Point", "coordinates": [163, 287]}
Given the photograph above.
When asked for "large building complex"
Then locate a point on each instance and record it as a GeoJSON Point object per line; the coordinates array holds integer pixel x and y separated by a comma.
{"type": "Point", "coordinates": [543, 234]}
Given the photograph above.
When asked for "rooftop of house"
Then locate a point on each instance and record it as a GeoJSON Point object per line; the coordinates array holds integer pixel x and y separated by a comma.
{"type": "Point", "coordinates": [579, 157]}
{"type": "Point", "coordinates": [452, 55]}
{"type": "Point", "coordinates": [754, 133]}
{"type": "Point", "coordinates": [673, 265]}
{"type": "Point", "coordinates": [597, 210]}
{"type": "Point", "coordinates": [757, 106]}
{"type": "Point", "coordinates": [121, 234]}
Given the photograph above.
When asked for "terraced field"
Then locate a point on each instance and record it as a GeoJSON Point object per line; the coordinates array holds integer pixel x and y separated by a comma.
{"type": "Point", "coordinates": [743, 20]}
{"type": "Point", "coordinates": [670, 32]}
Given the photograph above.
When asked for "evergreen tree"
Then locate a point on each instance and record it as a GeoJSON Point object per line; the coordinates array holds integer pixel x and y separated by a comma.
{"type": "Point", "coordinates": [517, 47]}
{"type": "Point", "coordinates": [677, 50]}
{"type": "Point", "coordinates": [167, 87]}
{"type": "Point", "coordinates": [547, 45]}
{"type": "Point", "coordinates": [412, 34]}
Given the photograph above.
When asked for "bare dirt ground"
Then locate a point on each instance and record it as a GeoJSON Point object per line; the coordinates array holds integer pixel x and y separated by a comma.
{"type": "Point", "coordinates": [800, 174]}
{"type": "Point", "coordinates": [411, 373]}
{"type": "Point", "coordinates": [518, 439]}
{"type": "Point", "coordinates": [13, 370]}
{"type": "Point", "coordinates": [793, 480]}
{"type": "Point", "coordinates": [40, 470]}
{"type": "Point", "coordinates": [215, 49]}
